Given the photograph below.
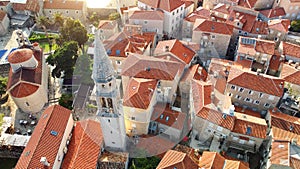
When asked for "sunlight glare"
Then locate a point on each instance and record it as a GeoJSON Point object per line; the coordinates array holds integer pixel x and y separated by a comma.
{"type": "Point", "coordinates": [97, 3]}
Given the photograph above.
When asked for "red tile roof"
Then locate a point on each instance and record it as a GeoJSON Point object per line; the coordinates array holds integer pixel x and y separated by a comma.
{"type": "Point", "coordinates": [141, 66]}
{"type": "Point", "coordinates": [20, 55]}
{"type": "Point", "coordinates": [281, 25]}
{"type": "Point", "coordinates": [28, 77]}
{"type": "Point", "coordinates": [258, 126]}
{"type": "Point", "coordinates": [201, 94]}
{"type": "Point", "coordinates": [199, 13]}
{"type": "Point", "coordinates": [31, 5]}
{"type": "Point", "coordinates": [121, 44]}
{"type": "Point", "coordinates": [175, 159]}
{"type": "Point", "coordinates": [23, 90]}
{"type": "Point", "coordinates": [216, 117]}
{"type": "Point", "coordinates": [281, 134]}
{"type": "Point", "coordinates": [260, 45]}
{"type": "Point", "coordinates": [275, 61]}
{"type": "Point", "coordinates": [211, 160]}
{"type": "Point", "coordinates": [260, 83]}
{"type": "Point", "coordinates": [290, 74]}
{"type": "Point", "coordinates": [67, 4]}
{"type": "Point", "coordinates": [175, 119]}
{"type": "Point", "coordinates": [42, 143]}
{"type": "Point", "coordinates": [247, 3]}
{"type": "Point", "coordinates": [147, 15]}
{"type": "Point", "coordinates": [223, 8]}
{"type": "Point", "coordinates": [280, 152]}
{"type": "Point", "coordinates": [274, 12]}
{"type": "Point", "coordinates": [85, 145]}
{"type": "Point", "coordinates": [290, 49]}
{"type": "Point", "coordinates": [234, 164]}
{"type": "Point", "coordinates": [285, 122]}
{"type": "Point", "coordinates": [107, 24]}
{"type": "Point", "coordinates": [213, 27]}
{"type": "Point", "coordinates": [294, 162]}
{"type": "Point", "coordinates": [176, 47]}
{"type": "Point", "coordinates": [4, 3]}
{"type": "Point", "coordinates": [139, 92]}
{"type": "Point", "coordinates": [167, 5]}
{"type": "Point", "coordinates": [244, 62]}
{"type": "Point", "coordinates": [193, 73]}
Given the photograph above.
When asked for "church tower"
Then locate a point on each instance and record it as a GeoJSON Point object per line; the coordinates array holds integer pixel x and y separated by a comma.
{"type": "Point", "coordinates": [110, 111]}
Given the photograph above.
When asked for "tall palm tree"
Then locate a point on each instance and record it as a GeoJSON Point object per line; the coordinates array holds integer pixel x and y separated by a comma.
{"type": "Point", "coordinates": [45, 23]}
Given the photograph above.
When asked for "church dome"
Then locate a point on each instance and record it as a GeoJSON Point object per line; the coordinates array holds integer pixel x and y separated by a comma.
{"type": "Point", "coordinates": [20, 55]}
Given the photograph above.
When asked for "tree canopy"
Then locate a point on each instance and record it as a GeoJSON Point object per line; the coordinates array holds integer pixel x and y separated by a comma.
{"type": "Point", "coordinates": [73, 30]}
{"type": "Point", "coordinates": [295, 26]}
{"type": "Point", "coordinates": [3, 85]}
{"type": "Point", "coordinates": [64, 59]}
{"type": "Point", "coordinates": [66, 101]}
{"type": "Point", "coordinates": [114, 16]}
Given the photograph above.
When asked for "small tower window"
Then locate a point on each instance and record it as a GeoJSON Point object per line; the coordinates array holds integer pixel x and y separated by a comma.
{"type": "Point", "coordinates": [118, 52]}
{"type": "Point", "coordinates": [109, 84]}
{"type": "Point", "coordinates": [27, 104]}
{"type": "Point", "coordinates": [103, 86]}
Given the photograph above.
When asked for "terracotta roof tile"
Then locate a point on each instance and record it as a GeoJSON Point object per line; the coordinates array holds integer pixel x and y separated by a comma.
{"type": "Point", "coordinates": [23, 90]}
{"type": "Point", "coordinates": [174, 159]}
{"type": "Point", "coordinates": [234, 164]}
{"type": "Point", "coordinates": [211, 160]}
{"type": "Point", "coordinates": [162, 112]}
{"type": "Point", "coordinates": [141, 66]}
{"type": "Point", "coordinates": [147, 15]}
{"type": "Point", "coordinates": [275, 61]}
{"type": "Point", "coordinates": [281, 134]}
{"type": "Point", "coordinates": [243, 122]}
{"type": "Point", "coordinates": [199, 13]}
{"type": "Point", "coordinates": [260, 45]}
{"type": "Point", "coordinates": [31, 5]}
{"type": "Point", "coordinates": [247, 3]}
{"type": "Point", "coordinates": [32, 76]}
{"type": "Point", "coordinates": [281, 25]}
{"type": "Point", "coordinates": [167, 5]}
{"type": "Point", "coordinates": [67, 4]}
{"type": "Point", "coordinates": [213, 27]}
{"type": "Point", "coordinates": [107, 24]}
{"type": "Point", "coordinates": [260, 83]}
{"type": "Point", "coordinates": [259, 27]}
{"type": "Point", "coordinates": [42, 143]}
{"type": "Point", "coordinates": [20, 55]}
{"type": "Point", "coordinates": [294, 162]}
{"type": "Point", "coordinates": [85, 145]}
{"type": "Point", "coordinates": [4, 2]}
{"type": "Point", "coordinates": [201, 94]}
{"type": "Point", "coordinates": [274, 12]}
{"type": "Point", "coordinates": [290, 74]}
{"type": "Point", "coordinates": [216, 117]}
{"type": "Point", "coordinates": [280, 152]}
{"type": "Point", "coordinates": [244, 62]}
{"type": "Point", "coordinates": [291, 49]}
{"type": "Point", "coordinates": [285, 122]}
{"type": "Point", "coordinates": [121, 44]}
{"type": "Point", "coordinates": [193, 73]}
{"type": "Point", "coordinates": [180, 50]}
{"type": "Point", "coordinates": [223, 8]}
{"type": "Point", "coordinates": [139, 92]}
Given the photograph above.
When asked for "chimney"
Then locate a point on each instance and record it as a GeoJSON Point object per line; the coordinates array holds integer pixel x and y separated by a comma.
{"type": "Point", "coordinates": [44, 161]}
{"type": "Point", "coordinates": [258, 71]}
{"type": "Point", "coordinates": [297, 65]}
{"type": "Point", "coordinates": [290, 62]}
{"type": "Point", "coordinates": [237, 15]}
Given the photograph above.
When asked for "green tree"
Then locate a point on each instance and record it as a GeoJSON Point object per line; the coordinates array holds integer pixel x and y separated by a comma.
{"type": "Point", "coordinates": [144, 163]}
{"type": "Point", "coordinates": [84, 69]}
{"type": "Point", "coordinates": [73, 30]}
{"type": "Point", "coordinates": [295, 26]}
{"type": "Point", "coordinates": [43, 21]}
{"type": "Point", "coordinates": [3, 85]}
{"type": "Point", "coordinates": [114, 16]}
{"type": "Point", "coordinates": [64, 59]}
{"type": "Point", "coordinates": [58, 19]}
{"type": "Point", "coordinates": [66, 100]}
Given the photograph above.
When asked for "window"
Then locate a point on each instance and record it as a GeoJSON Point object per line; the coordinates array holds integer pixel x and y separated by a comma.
{"type": "Point", "coordinates": [108, 52]}
{"type": "Point", "coordinates": [241, 89]}
{"type": "Point", "coordinates": [213, 36]}
{"type": "Point", "coordinates": [50, 11]}
{"type": "Point", "coordinates": [113, 142]}
{"type": "Point", "coordinates": [27, 104]}
{"type": "Point", "coordinates": [67, 11]}
{"type": "Point", "coordinates": [248, 100]}
{"type": "Point", "coordinates": [233, 87]}
{"type": "Point", "coordinates": [229, 94]}
{"type": "Point", "coordinates": [145, 22]}
{"type": "Point", "coordinates": [267, 105]}
{"type": "Point", "coordinates": [108, 120]}
{"type": "Point", "coordinates": [76, 11]}
{"type": "Point", "coordinates": [219, 128]}
{"type": "Point", "coordinates": [238, 97]}
{"type": "Point", "coordinates": [181, 8]}
{"type": "Point", "coordinates": [167, 118]}
{"type": "Point", "coordinates": [118, 52]}
{"type": "Point", "coordinates": [242, 141]}
{"type": "Point", "coordinates": [103, 85]}
{"type": "Point", "coordinates": [177, 11]}
{"type": "Point", "coordinates": [173, 13]}
{"type": "Point", "coordinates": [261, 95]}
{"type": "Point", "coordinates": [256, 102]}
{"type": "Point", "coordinates": [118, 62]}
{"type": "Point", "coordinates": [250, 92]}
{"type": "Point", "coordinates": [161, 116]}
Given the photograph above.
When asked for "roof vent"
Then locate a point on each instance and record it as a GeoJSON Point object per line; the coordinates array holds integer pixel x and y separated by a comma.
{"type": "Point", "coordinates": [249, 130]}
{"type": "Point", "coordinates": [224, 116]}
{"type": "Point", "coordinates": [291, 128]}
{"type": "Point", "coordinates": [290, 62]}
{"type": "Point", "coordinates": [44, 161]}
{"type": "Point", "coordinates": [281, 146]}
{"type": "Point", "coordinates": [133, 87]}
{"type": "Point", "coordinates": [148, 69]}
{"type": "Point", "coordinates": [167, 48]}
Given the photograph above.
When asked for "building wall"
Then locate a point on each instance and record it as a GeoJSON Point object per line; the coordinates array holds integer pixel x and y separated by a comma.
{"type": "Point", "coordinates": [238, 97]}
{"type": "Point", "coordinates": [189, 10]}
{"type": "Point", "coordinates": [207, 130]}
{"type": "Point", "coordinates": [264, 4]}
{"type": "Point", "coordinates": [75, 14]}
{"type": "Point", "coordinates": [252, 144]}
{"type": "Point", "coordinates": [4, 24]}
{"type": "Point", "coordinates": [107, 33]}
{"type": "Point", "coordinates": [275, 35]}
{"type": "Point", "coordinates": [295, 59]}
{"type": "Point", "coordinates": [173, 133]}
{"type": "Point", "coordinates": [63, 144]}
{"type": "Point", "coordinates": [117, 63]}
{"type": "Point", "coordinates": [292, 9]}
{"type": "Point", "coordinates": [139, 117]}
{"type": "Point", "coordinates": [219, 41]}
{"type": "Point", "coordinates": [149, 25]}
{"type": "Point", "coordinates": [187, 29]}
